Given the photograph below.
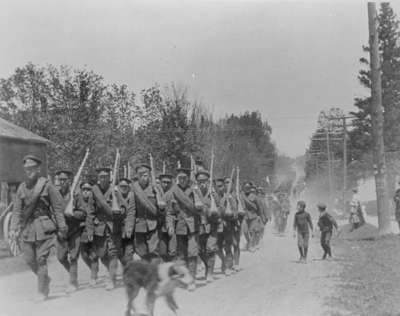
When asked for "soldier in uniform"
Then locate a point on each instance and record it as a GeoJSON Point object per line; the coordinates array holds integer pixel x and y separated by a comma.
{"type": "Point", "coordinates": [167, 244]}
{"type": "Point", "coordinates": [84, 204]}
{"type": "Point", "coordinates": [104, 234]}
{"type": "Point", "coordinates": [253, 214]}
{"type": "Point", "coordinates": [183, 218]}
{"type": "Point", "coordinates": [230, 222]}
{"type": "Point", "coordinates": [147, 213]}
{"type": "Point", "coordinates": [220, 197]}
{"type": "Point", "coordinates": [38, 217]}
{"type": "Point", "coordinates": [209, 222]}
{"type": "Point", "coordinates": [68, 249]}
{"type": "Point", "coordinates": [123, 226]}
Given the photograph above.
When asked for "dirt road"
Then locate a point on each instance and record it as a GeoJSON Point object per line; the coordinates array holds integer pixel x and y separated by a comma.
{"type": "Point", "coordinates": [271, 283]}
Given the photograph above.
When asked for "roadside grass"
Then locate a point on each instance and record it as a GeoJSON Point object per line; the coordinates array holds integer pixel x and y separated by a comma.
{"type": "Point", "coordinates": [369, 277]}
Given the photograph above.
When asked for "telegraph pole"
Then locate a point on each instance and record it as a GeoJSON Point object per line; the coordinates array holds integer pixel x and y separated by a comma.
{"type": "Point", "coordinates": [328, 149]}
{"type": "Point", "coordinates": [377, 124]}
{"type": "Point", "coordinates": [344, 163]}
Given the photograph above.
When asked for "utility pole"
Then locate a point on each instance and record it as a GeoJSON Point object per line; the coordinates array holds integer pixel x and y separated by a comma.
{"type": "Point", "coordinates": [328, 149]}
{"type": "Point", "coordinates": [344, 163]}
{"type": "Point", "coordinates": [377, 124]}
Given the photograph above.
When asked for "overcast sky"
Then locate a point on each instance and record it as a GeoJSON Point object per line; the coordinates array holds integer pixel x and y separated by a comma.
{"type": "Point", "coordinates": [288, 60]}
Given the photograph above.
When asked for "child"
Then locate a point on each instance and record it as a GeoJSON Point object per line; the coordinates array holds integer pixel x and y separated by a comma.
{"type": "Point", "coordinates": [302, 225]}
{"type": "Point", "coordinates": [326, 223]}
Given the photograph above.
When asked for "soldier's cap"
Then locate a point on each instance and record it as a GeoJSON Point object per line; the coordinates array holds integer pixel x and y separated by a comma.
{"type": "Point", "coordinates": [31, 161]}
{"type": "Point", "coordinates": [126, 180]}
{"type": "Point", "coordinates": [202, 172]}
{"type": "Point", "coordinates": [67, 172]}
{"type": "Point", "coordinates": [186, 171]}
{"type": "Point", "coordinates": [142, 166]}
{"type": "Point", "coordinates": [103, 170]}
{"type": "Point", "coordinates": [165, 176]}
{"type": "Point", "coordinates": [321, 206]}
{"type": "Point", "coordinates": [220, 180]}
{"type": "Point", "coordinates": [85, 185]}
{"type": "Point", "coordinates": [248, 184]}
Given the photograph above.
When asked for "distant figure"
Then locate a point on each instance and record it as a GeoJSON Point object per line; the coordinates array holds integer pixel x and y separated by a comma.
{"type": "Point", "coordinates": [396, 199]}
{"type": "Point", "coordinates": [326, 223]}
{"type": "Point", "coordinates": [302, 225]}
{"type": "Point", "coordinates": [356, 214]}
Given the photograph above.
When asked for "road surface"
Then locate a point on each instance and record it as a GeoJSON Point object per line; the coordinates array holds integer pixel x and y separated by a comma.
{"type": "Point", "coordinates": [271, 282]}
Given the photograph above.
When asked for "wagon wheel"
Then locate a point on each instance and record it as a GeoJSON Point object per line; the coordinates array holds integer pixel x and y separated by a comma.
{"type": "Point", "coordinates": [13, 242]}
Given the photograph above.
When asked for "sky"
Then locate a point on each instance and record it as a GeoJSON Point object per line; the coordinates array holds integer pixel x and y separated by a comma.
{"type": "Point", "coordinates": [288, 60]}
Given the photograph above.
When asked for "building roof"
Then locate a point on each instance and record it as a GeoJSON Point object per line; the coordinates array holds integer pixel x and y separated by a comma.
{"type": "Point", "coordinates": [12, 131]}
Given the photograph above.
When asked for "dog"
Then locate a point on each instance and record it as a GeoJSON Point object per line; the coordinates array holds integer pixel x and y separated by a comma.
{"type": "Point", "coordinates": [146, 280]}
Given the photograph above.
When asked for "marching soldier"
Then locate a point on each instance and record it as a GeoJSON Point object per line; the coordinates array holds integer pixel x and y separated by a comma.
{"type": "Point", "coordinates": [104, 234]}
{"type": "Point", "coordinates": [147, 213]}
{"type": "Point", "coordinates": [84, 204]}
{"type": "Point", "coordinates": [68, 249]}
{"type": "Point", "coordinates": [183, 218]}
{"type": "Point", "coordinates": [38, 217]}
{"type": "Point", "coordinates": [253, 213]}
{"type": "Point", "coordinates": [167, 244]}
{"type": "Point", "coordinates": [220, 193]}
{"type": "Point", "coordinates": [209, 222]}
{"type": "Point", "coordinates": [234, 223]}
{"type": "Point", "coordinates": [124, 226]}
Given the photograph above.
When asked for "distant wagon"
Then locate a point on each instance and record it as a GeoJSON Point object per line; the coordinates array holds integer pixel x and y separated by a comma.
{"type": "Point", "coordinates": [15, 143]}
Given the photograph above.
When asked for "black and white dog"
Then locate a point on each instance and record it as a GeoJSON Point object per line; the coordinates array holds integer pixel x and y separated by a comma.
{"type": "Point", "coordinates": [146, 280]}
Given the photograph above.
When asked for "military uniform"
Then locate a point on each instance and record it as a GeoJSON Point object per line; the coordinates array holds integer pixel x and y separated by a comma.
{"type": "Point", "coordinates": [124, 233]}
{"type": "Point", "coordinates": [253, 220]}
{"type": "Point", "coordinates": [167, 240]}
{"type": "Point", "coordinates": [106, 234]}
{"type": "Point", "coordinates": [69, 248]}
{"type": "Point", "coordinates": [208, 234]}
{"type": "Point", "coordinates": [184, 219]}
{"type": "Point", "coordinates": [38, 215]}
{"type": "Point", "coordinates": [146, 220]}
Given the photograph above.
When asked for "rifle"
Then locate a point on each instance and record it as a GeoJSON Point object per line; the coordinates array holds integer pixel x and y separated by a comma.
{"type": "Point", "coordinates": [159, 196]}
{"type": "Point", "coordinates": [69, 210]}
{"type": "Point", "coordinates": [241, 210]}
{"type": "Point", "coordinates": [115, 208]}
{"type": "Point", "coordinates": [228, 210]}
{"type": "Point", "coordinates": [197, 200]}
{"type": "Point", "coordinates": [213, 207]}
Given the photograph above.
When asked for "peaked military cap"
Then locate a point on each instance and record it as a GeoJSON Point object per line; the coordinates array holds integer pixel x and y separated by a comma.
{"type": "Point", "coordinates": [103, 169]}
{"type": "Point", "coordinates": [203, 172]}
{"type": "Point", "coordinates": [85, 185]}
{"type": "Point", "coordinates": [142, 165]}
{"type": "Point", "coordinates": [321, 206]}
{"type": "Point", "coordinates": [186, 171]}
{"type": "Point", "coordinates": [125, 180]}
{"type": "Point", "coordinates": [31, 161]}
{"type": "Point", "coordinates": [65, 171]}
{"type": "Point", "coordinates": [165, 176]}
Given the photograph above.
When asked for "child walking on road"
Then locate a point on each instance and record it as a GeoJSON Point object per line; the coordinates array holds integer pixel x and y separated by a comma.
{"type": "Point", "coordinates": [302, 225]}
{"type": "Point", "coordinates": [326, 223]}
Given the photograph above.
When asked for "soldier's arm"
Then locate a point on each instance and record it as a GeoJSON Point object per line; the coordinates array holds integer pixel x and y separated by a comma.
{"type": "Point", "coordinates": [79, 211]}
{"type": "Point", "coordinates": [101, 202]}
{"type": "Point", "coordinates": [58, 205]}
{"type": "Point", "coordinates": [130, 214]}
{"type": "Point", "coordinates": [170, 213]}
{"type": "Point", "coordinates": [90, 214]}
{"type": "Point", "coordinates": [295, 223]}
{"type": "Point", "coordinates": [16, 219]}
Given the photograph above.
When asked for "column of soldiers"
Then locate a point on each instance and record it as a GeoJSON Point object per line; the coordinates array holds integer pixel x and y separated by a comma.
{"type": "Point", "coordinates": [190, 221]}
